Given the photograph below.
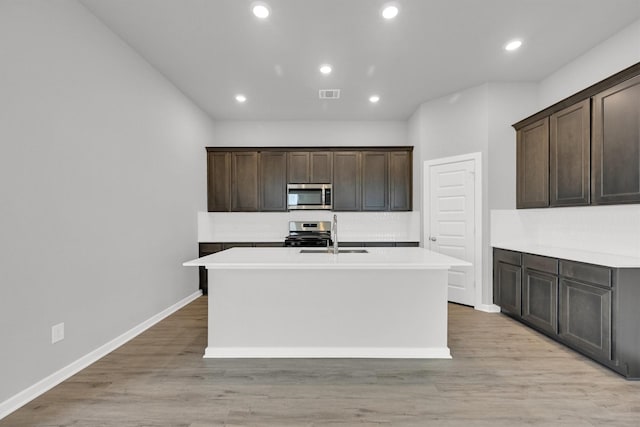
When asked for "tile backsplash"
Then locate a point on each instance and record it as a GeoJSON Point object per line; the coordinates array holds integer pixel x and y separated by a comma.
{"type": "Point", "coordinates": [274, 226]}
{"type": "Point", "coordinates": [605, 229]}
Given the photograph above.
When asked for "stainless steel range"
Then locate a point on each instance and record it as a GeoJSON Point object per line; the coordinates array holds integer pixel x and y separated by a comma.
{"type": "Point", "coordinates": [309, 234]}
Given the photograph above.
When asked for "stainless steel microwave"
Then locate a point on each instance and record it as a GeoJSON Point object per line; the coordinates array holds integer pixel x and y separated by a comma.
{"type": "Point", "coordinates": [309, 196]}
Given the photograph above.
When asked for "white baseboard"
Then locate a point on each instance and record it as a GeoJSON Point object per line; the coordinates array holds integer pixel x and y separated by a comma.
{"type": "Point", "coordinates": [329, 352]}
{"type": "Point", "coordinates": [27, 395]}
{"type": "Point", "coordinates": [488, 308]}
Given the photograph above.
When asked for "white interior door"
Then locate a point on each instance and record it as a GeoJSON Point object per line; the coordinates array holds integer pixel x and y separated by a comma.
{"type": "Point", "coordinates": [451, 223]}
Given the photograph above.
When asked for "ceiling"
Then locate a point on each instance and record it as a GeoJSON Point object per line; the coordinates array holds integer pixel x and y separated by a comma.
{"type": "Point", "coordinates": [214, 49]}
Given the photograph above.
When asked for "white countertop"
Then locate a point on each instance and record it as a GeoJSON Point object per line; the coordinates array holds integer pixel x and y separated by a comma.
{"type": "Point", "coordinates": [291, 258]}
{"type": "Point", "coordinates": [589, 257]}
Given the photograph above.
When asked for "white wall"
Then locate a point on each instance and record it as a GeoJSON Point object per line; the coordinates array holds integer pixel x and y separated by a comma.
{"type": "Point", "coordinates": [322, 133]}
{"type": "Point", "coordinates": [102, 171]}
{"type": "Point", "coordinates": [607, 58]}
{"type": "Point", "coordinates": [453, 125]}
{"type": "Point", "coordinates": [507, 103]}
{"type": "Point", "coordinates": [309, 133]}
{"type": "Point", "coordinates": [477, 119]}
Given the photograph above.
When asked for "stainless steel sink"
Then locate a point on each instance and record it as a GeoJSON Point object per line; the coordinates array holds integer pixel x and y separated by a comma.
{"type": "Point", "coordinates": [340, 251]}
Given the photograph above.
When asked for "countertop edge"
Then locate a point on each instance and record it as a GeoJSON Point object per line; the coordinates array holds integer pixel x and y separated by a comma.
{"type": "Point", "coordinates": [578, 255]}
{"type": "Point", "coordinates": [289, 259]}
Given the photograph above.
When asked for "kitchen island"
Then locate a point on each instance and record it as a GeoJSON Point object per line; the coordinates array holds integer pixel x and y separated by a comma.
{"type": "Point", "coordinates": [292, 302]}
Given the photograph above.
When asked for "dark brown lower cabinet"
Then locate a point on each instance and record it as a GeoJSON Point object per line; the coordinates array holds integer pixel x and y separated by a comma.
{"type": "Point", "coordinates": [585, 318]}
{"type": "Point", "coordinates": [540, 292]}
{"type": "Point", "coordinates": [591, 308]}
{"type": "Point", "coordinates": [540, 300]}
{"type": "Point", "coordinates": [507, 276]}
{"type": "Point", "coordinates": [379, 244]}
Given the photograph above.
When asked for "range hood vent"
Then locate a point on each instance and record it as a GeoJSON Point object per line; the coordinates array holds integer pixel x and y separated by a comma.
{"type": "Point", "coordinates": [329, 93]}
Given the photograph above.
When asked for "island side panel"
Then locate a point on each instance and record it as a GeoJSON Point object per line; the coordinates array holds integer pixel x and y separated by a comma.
{"type": "Point", "coordinates": [327, 313]}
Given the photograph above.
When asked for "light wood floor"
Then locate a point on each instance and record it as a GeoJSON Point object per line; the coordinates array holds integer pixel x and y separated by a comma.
{"type": "Point", "coordinates": [502, 374]}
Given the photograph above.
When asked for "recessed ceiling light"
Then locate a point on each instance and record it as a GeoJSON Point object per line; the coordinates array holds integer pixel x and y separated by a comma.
{"type": "Point", "coordinates": [325, 69]}
{"type": "Point", "coordinates": [260, 10]}
{"type": "Point", "coordinates": [241, 98]}
{"type": "Point", "coordinates": [374, 99]}
{"type": "Point", "coordinates": [513, 45]}
{"type": "Point", "coordinates": [389, 11]}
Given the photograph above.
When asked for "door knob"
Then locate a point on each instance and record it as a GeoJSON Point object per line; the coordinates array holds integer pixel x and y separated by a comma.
{"type": "Point", "coordinates": [433, 239]}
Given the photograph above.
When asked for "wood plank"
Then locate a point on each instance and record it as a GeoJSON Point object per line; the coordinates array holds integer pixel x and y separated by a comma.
{"type": "Point", "coordinates": [502, 374]}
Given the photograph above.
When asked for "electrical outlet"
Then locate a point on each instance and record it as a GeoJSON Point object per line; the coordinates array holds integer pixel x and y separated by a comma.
{"type": "Point", "coordinates": [57, 333]}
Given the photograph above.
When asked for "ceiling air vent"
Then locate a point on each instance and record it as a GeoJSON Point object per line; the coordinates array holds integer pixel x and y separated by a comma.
{"type": "Point", "coordinates": [329, 93]}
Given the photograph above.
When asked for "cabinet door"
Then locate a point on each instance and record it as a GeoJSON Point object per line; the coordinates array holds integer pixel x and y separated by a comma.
{"type": "Point", "coordinates": [218, 181]}
{"type": "Point", "coordinates": [540, 300]}
{"type": "Point", "coordinates": [532, 163]}
{"type": "Point", "coordinates": [585, 317]}
{"type": "Point", "coordinates": [244, 181]}
{"type": "Point", "coordinates": [273, 181]}
{"type": "Point", "coordinates": [616, 144]}
{"type": "Point", "coordinates": [400, 181]}
{"type": "Point", "coordinates": [321, 167]}
{"type": "Point", "coordinates": [509, 287]}
{"type": "Point", "coordinates": [375, 181]}
{"type": "Point", "coordinates": [347, 187]}
{"type": "Point", "coordinates": [570, 155]}
{"type": "Point", "coordinates": [298, 163]}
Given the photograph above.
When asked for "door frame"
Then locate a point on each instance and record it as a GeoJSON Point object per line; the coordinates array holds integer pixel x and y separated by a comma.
{"type": "Point", "coordinates": [477, 262]}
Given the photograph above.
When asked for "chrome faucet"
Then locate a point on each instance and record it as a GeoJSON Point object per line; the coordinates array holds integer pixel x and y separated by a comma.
{"type": "Point", "coordinates": [334, 234]}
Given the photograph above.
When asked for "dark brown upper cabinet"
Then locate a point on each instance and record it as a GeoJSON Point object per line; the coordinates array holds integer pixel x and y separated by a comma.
{"type": "Point", "coordinates": [321, 167]}
{"type": "Point", "coordinates": [594, 147]}
{"type": "Point", "coordinates": [400, 180]}
{"type": "Point", "coordinates": [347, 184]}
{"type": "Point", "coordinates": [616, 144]}
{"type": "Point", "coordinates": [218, 181]}
{"type": "Point", "coordinates": [310, 166]}
{"type": "Point", "coordinates": [253, 179]}
{"type": "Point", "coordinates": [244, 181]}
{"type": "Point", "coordinates": [570, 155]}
{"type": "Point", "coordinates": [273, 181]}
{"type": "Point", "coordinates": [375, 181]}
{"type": "Point", "coordinates": [298, 163]}
{"type": "Point", "coordinates": [532, 175]}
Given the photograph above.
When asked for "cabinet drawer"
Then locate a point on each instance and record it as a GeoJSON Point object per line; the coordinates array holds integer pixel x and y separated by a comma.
{"type": "Point", "coordinates": [595, 274]}
{"type": "Point", "coordinates": [510, 257]}
{"type": "Point", "coordinates": [541, 263]}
